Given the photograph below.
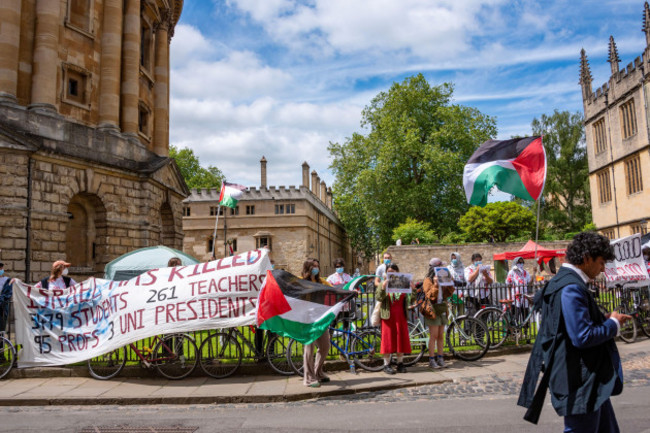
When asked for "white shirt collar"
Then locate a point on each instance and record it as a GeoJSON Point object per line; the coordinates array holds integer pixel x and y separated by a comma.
{"type": "Point", "coordinates": [578, 271]}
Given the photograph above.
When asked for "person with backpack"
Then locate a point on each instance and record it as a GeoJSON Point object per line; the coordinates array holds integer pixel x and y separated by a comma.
{"type": "Point", "coordinates": [434, 310]}
{"type": "Point", "coordinates": [58, 278]}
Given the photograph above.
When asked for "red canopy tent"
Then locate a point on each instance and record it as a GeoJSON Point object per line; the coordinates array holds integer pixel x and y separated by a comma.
{"type": "Point", "coordinates": [527, 252]}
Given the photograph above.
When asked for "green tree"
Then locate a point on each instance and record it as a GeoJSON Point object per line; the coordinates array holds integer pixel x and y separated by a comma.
{"type": "Point", "coordinates": [409, 164]}
{"type": "Point", "coordinates": [411, 230]}
{"type": "Point", "coordinates": [195, 176]}
{"type": "Point", "coordinates": [500, 220]}
{"type": "Point", "coordinates": [567, 205]}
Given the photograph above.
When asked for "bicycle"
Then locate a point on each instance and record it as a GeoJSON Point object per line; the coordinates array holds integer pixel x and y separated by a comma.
{"type": "Point", "coordinates": [635, 304]}
{"type": "Point", "coordinates": [501, 324]}
{"type": "Point", "coordinates": [359, 348]}
{"type": "Point", "coordinates": [7, 355]}
{"type": "Point", "coordinates": [467, 337]}
{"type": "Point", "coordinates": [174, 356]}
{"type": "Point", "coordinates": [220, 355]}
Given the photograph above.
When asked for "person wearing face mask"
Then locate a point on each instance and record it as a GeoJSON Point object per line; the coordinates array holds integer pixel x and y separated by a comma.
{"type": "Point", "coordinates": [6, 291]}
{"type": "Point", "coordinates": [58, 278]}
{"type": "Point", "coordinates": [380, 273]}
{"type": "Point", "coordinates": [313, 366]}
{"type": "Point", "coordinates": [477, 277]}
{"type": "Point", "coordinates": [518, 280]}
{"type": "Point", "coordinates": [339, 277]}
{"type": "Point", "coordinates": [456, 269]}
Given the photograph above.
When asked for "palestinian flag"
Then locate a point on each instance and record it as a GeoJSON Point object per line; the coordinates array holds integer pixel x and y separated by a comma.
{"type": "Point", "coordinates": [297, 308]}
{"type": "Point", "coordinates": [516, 166]}
{"type": "Point", "coordinates": [230, 194]}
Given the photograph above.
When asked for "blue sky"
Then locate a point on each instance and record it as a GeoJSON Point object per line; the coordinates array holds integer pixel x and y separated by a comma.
{"type": "Point", "coordinates": [283, 78]}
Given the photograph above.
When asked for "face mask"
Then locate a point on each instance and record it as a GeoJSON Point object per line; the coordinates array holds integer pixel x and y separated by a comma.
{"type": "Point", "coordinates": [339, 270]}
{"type": "Point", "coordinates": [314, 271]}
{"type": "Point", "coordinates": [272, 267]}
{"type": "Point", "coordinates": [387, 262]}
{"type": "Point", "coordinates": [2, 272]}
{"type": "Point", "coordinates": [520, 266]}
{"type": "Point", "coordinates": [478, 263]}
{"type": "Point", "coordinates": [454, 262]}
{"type": "Point", "coordinates": [65, 271]}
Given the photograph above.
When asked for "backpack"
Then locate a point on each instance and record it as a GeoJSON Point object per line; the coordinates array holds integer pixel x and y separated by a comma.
{"type": "Point", "coordinates": [45, 282]}
{"type": "Point", "coordinates": [424, 304]}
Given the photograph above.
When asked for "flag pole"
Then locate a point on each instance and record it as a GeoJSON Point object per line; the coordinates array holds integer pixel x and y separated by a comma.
{"type": "Point", "coordinates": [539, 205]}
{"type": "Point", "coordinates": [214, 235]}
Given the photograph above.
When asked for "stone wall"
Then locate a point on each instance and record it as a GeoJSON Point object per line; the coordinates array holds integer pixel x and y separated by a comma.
{"type": "Point", "coordinates": [414, 259]}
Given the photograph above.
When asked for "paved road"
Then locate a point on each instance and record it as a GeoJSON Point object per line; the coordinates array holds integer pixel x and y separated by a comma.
{"type": "Point", "coordinates": [481, 404]}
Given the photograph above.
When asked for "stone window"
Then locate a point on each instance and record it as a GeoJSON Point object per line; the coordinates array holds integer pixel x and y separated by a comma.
{"type": "Point", "coordinates": [220, 211]}
{"type": "Point", "coordinates": [234, 211]}
{"type": "Point", "coordinates": [604, 187]}
{"type": "Point", "coordinates": [250, 210]}
{"type": "Point", "coordinates": [609, 234]}
{"type": "Point", "coordinates": [76, 86]}
{"type": "Point", "coordinates": [213, 210]}
{"type": "Point", "coordinates": [640, 227]}
{"type": "Point", "coordinates": [281, 209]}
{"type": "Point", "coordinates": [263, 241]}
{"type": "Point", "coordinates": [599, 136]}
{"type": "Point", "coordinates": [633, 180]}
{"type": "Point", "coordinates": [144, 120]}
{"type": "Point", "coordinates": [186, 211]}
{"type": "Point", "coordinates": [79, 16]}
{"type": "Point", "coordinates": [210, 244]}
{"type": "Point", "coordinates": [146, 42]}
{"type": "Point", "coordinates": [628, 119]}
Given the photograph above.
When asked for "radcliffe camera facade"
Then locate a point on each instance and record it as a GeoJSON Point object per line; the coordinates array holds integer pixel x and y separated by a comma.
{"type": "Point", "coordinates": [84, 133]}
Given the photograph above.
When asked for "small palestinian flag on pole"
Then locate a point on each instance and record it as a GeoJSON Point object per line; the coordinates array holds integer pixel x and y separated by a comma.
{"type": "Point", "coordinates": [230, 194]}
{"type": "Point", "coordinates": [297, 308]}
{"type": "Point", "coordinates": [516, 166]}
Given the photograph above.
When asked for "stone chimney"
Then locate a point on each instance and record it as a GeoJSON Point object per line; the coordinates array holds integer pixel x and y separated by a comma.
{"type": "Point", "coordinates": [263, 172]}
{"type": "Point", "coordinates": [323, 191]}
{"type": "Point", "coordinates": [305, 174]}
{"type": "Point", "coordinates": [329, 197]}
{"type": "Point", "coordinates": [314, 184]}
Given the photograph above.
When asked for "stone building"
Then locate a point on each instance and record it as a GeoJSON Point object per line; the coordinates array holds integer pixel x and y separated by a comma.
{"type": "Point", "coordinates": [294, 222]}
{"type": "Point", "coordinates": [618, 142]}
{"type": "Point", "coordinates": [84, 130]}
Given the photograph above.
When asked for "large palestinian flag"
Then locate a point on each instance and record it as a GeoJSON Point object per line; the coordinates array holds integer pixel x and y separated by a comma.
{"type": "Point", "coordinates": [296, 308]}
{"type": "Point", "coordinates": [230, 194]}
{"type": "Point", "coordinates": [516, 166]}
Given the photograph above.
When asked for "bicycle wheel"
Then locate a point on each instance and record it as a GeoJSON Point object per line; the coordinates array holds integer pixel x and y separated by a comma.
{"type": "Point", "coordinates": [419, 339]}
{"type": "Point", "coordinates": [295, 356]}
{"type": "Point", "coordinates": [468, 338]}
{"type": "Point", "coordinates": [644, 321]}
{"type": "Point", "coordinates": [108, 365]}
{"type": "Point", "coordinates": [175, 356]}
{"type": "Point", "coordinates": [276, 355]}
{"type": "Point", "coordinates": [7, 356]}
{"type": "Point", "coordinates": [220, 355]}
{"type": "Point", "coordinates": [628, 331]}
{"type": "Point", "coordinates": [367, 346]}
{"type": "Point", "coordinates": [496, 323]}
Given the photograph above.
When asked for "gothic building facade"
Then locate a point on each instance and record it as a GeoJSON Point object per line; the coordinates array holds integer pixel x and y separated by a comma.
{"type": "Point", "coordinates": [618, 141]}
{"type": "Point", "coordinates": [84, 133]}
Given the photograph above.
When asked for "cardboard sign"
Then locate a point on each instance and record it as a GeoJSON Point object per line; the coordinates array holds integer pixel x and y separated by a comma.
{"type": "Point", "coordinates": [444, 277]}
{"type": "Point", "coordinates": [628, 267]}
{"type": "Point", "coordinates": [398, 282]}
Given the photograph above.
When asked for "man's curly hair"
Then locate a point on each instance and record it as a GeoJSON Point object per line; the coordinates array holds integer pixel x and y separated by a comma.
{"type": "Point", "coordinates": [589, 244]}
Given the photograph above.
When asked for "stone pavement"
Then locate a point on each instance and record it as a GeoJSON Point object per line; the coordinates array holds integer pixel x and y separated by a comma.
{"type": "Point", "coordinates": [495, 375]}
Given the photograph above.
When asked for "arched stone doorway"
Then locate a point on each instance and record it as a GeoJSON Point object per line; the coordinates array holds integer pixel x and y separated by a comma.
{"type": "Point", "coordinates": [167, 229]}
{"type": "Point", "coordinates": [85, 234]}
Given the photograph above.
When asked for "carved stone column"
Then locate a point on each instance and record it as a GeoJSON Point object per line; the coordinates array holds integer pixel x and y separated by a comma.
{"type": "Point", "coordinates": [130, 68]}
{"type": "Point", "coordinates": [46, 55]}
{"type": "Point", "coordinates": [161, 89]}
{"type": "Point", "coordinates": [9, 48]}
{"type": "Point", "coordinates": [109, 80]}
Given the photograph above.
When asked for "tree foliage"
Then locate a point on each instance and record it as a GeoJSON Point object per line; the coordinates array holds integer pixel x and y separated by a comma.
{"type": "Point", "coordinates": [566, 205]}
{"type": "Point", "coordinates": [501, 220]}
{"type": "Point", "coordinates": [411, 230]}
{"type": "Point", "coordinates": [194, 174]}
{"type": "Point", "coordinates": [409, 164]}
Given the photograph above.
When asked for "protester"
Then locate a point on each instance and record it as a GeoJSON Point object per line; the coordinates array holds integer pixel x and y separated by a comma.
{"type": "Point", "coordinates": [436, 313]}
{"type": "Point", "coordinates": [339, 277]}
{"type": "Point", "coordinates": [575, 344]}
{"type": "Point", "coordinates": [456, 269]}
{"type": "Point", "coordinates": [518, 280]}
{"type": "Point", "coordinates": [58, 278]}
{"type": "Point", "coordinates": [394, 327]}
{"type": "Point", "coordinates": [380, 273]}
{"type": "Point", "coordinates": [6, 291]}
{"type": "Point", "coordinates": [173, 262]}
{"type": "Point", "coordinates": [477, 277]}
{"type": "Point", "coordinates": [313, 367]}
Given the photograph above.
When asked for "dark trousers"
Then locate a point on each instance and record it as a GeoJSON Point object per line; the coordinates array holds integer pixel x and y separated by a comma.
{"type": "Point", "coordinates": [601, 421]}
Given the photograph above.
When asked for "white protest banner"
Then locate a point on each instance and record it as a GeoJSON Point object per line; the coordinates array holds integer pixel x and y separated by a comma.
{"type": "Point", "coordinates": [628, 267]}
{"type": "Point", "coordinates": [96, 316]}
{"type": "Point", "coordinates": [398, 283]}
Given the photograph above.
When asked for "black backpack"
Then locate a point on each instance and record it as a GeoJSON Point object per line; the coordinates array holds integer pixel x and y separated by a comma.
{"type": "Point", "coordinates": [45, 282]}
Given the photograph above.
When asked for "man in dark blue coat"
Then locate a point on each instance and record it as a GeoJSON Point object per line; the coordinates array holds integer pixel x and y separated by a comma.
{"type": "Point", "coordinates": [575, 347]}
